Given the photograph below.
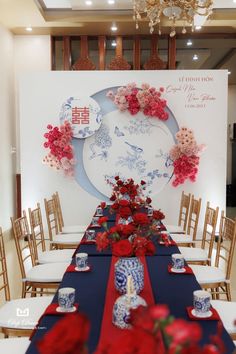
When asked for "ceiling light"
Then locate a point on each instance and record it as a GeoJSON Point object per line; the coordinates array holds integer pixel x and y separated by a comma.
{"type": "Point", "coordinates": [234, 0]}
{"type": "Point", "coordinates": [113, 43]}
{"type": "Point", "coordinates": [178, 10]}
{"type": "Point", "coordinates": [29, 29]}
{"type": "Point", "coordinates": [111, 2]}
{"type": "Point", "coordinates": [195, 57]}
{"type": "Point", "coordinates": [88, 2]}
{"type": "Point", "coordinates": [114, 28]}
{"type": "Point", "coordinates": [198, 28]}
{"type": "Point", "coordinates": [229, 72]}
{"type": "Point", "coordinates": [189, 43]}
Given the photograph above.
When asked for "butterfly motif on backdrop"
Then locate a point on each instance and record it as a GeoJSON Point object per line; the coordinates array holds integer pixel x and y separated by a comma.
{"type": "Point", "coordinates": [118, 132]}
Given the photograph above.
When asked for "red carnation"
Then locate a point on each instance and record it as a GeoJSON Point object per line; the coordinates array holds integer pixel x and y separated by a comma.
{"type": "Point", "coordinates": [181, 331]}
{"type": "Point", "coordinates": [102, 241]}
{"type": "Point", "coordinates": [158, 312]}
{"type": "Point", "coordinates": [122, 248]}
{"type": "Point", "coordinates": [141, 219]}
{"type": "Point", "coordinates": [115, 206]}
{"type": "Point", "coordinates": [123, 190]}
{"type": "Point", "coordinates": [117, 178]}
{"type": "Point", "coordinates": [127, 230]}
{"type": "Point", "coordinates": [125, 212]}
{"type": "Point", "coordinates": [143, 182]}
{"type": "Point", "coordinates": [119, 183]}
{"type": "Point", "coordinates": [113, 198]}
{"type": "Point", "coordinates": [150, 248]}
{"type": "Point", "coordinates": [103, 205]}
{"type": "Point", "coordinates": [158, 215]}
{"type": "Point", "coordinates": [148, 200]}
{"type": "Point", "coordinates": [124, 202]}
{"type": "Point", "coordinates": [102, 220]}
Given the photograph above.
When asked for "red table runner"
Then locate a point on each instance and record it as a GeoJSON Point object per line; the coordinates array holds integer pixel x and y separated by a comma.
{"type": "Point", "coordinates": [109, 331]}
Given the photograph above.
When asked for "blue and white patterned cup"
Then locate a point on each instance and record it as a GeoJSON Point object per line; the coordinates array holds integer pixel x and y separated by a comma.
{"type": "Point", "coordinates": [81, 260]}
{"type": "Point", "coordinates": [99, 211]}
{"type": "Point", "coordinates": [90, 235]}
{"type": "Point", "coordinates": [177, 261]}
{"type": "Point", "coordinates": [66, 299]}
{"type": "Point", "coordinates": [150, 211]}
{"type": "Point", "coordinates": [94, 221]}
{"type": "Point", "coordinates": [201, 302]}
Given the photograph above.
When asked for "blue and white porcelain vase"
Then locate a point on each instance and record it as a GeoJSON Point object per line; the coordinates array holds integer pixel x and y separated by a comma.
{"type": "Point", "coordinates": [129, 266]}
{"type": "Point", "coordinates": [122, 307]}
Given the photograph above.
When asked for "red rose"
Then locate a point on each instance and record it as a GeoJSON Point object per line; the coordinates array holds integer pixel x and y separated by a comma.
{"type": "Point", "coordinates": [181, 331]}
{"type": "Point", "coordinates": [102, 241]}
{"type": "Point", "coordinates": [117, 178]}
{"type": "Point", "coordinates": [158, 215]}
{"type": "Point", "coordinates": [140, 318]}
{"type": "Point", "coordinates": [119, 183]}
{"type": "Point", "coordinates": [123, 190]}
{"type": "Point", "coordinates": [150, 248]}
{"type": "Point", "coordinates": [127, 230]}
{"type": "Point", "coordinates": [158, 312]}
{"type": "Point", "coordinates": [103, 205]}
{"type": "Point", "coordinates": [141, 219]}
{"type": "Point", "coordinates": [113, 198]}
{"type": "Point", "coordinates": [61, 339]}
{"type": "Point", "coordinates": [113, 230]}
{"type": "Point", "coordinates": [122, 248]}
{"type": "Point", "coordinates": [124, 202]}
{"type": "Point", "coordinates": [143, 182]}
{"type": "Point", "coordinates": [102, 220]}
{"type": "Point", "coordinates": [148, 200]}
{"type": "Point", "coordinates": [125, 212]}
{"type": "Point", "coordinates": [115, 206]}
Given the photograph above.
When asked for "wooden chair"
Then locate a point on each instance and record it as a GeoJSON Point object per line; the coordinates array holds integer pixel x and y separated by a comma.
{"type": "Point", "coordinates": [183, 215]}
{"type": "Point", "coordinates": [12, 322]}
{"type": "Point", "coordinates": [41, 254]}
{"type": "Point", "coordinates": [57, 240]}
{"type": "Point", "coordinates": [43, 276]}
{"type": "Point", "coordinates": [189, 237]}
{"type": "Point", "coordinates": [214, 277]}
{"type": "Point", "coordinates": [203, 254]}
{"type": "Point", "coordinates": [69, 229]}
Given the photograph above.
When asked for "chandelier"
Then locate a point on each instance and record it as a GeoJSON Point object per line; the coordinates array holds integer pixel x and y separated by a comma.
{"type": "Point", "coordinates": [174, 10]}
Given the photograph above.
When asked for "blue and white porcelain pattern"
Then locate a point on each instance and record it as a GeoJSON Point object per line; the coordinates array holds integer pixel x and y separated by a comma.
{"type": "Point", "coordinates": [129, 266]}
{"type": "Point", "coordinates": [201, 303]}
{"type": "Point", "coordinates": [66, 298]}
{"type": "Point", "coordinates": [122, 307]}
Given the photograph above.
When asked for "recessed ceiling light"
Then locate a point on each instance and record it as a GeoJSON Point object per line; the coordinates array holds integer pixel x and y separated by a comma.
{"type": "Point", "coordinates": [113, 43]}
{"type": "Point", "coordinates": [198, 28]}
{"type": "Point", "coordinates": [195, 57]}
{"type": "Point", "coordinates": [229, 72]}
{"type": "Point", "coordinates": [88, 2]}
{"type": "Point", "coordinates": [111, 2]}
{"type": "Point", "coordinates": [114, 28]}
{"type": "Point", "coordinates": [189, 42]}
{"type": "Point", "coordinates": [234, 0]}
{"type": "Point", "coordinates": [29, 29]}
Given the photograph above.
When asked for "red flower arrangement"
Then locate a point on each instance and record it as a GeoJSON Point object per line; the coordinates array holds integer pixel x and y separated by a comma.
{"type": "Point", "coordinates": [147, 100]}
{"type": "Point", "coordinates": [152, 325]}
{"type": "Point", "coordinates": [185, 156]}
{"type": "Point", "coordinates": [131, 236]}
{"type": "Point", "coordinates": [61, 155]}
{"type": "Point", "coordinates": [62, 339]}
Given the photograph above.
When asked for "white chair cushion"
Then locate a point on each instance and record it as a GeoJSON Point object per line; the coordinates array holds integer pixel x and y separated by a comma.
{"type": "Point", "coordinates": [193, 254]}
{"type": "Point", "coordinates": [56, 256]}
{"type": "Point", "coordinates": [181, 238]}
{"type": "Point", "coordinates": [47, 273]}
{"type": "Point", "coordinates": [74, 229]}
{"type": "Point", "coordinates": [227, 312]}
{"type": "Point", "coordinates": [235, 343]}
{"type": "Point", "coordinates": [70, 239]}
{"type": "Point", "coordinates": [14, 345]}
{"type": "Point", "coordinates": [174, 229]}
{"type": "Point", "coordinates": [207, 275]}
{"type": "Point", "coordinates": [23, 313]}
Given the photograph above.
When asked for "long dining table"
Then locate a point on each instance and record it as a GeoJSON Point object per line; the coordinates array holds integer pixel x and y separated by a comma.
{"type": "Point", "coordinates": [175, 290]}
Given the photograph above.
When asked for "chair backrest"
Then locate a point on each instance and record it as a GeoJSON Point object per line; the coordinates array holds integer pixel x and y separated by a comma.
{"type": "Point", "coordinates": [193, 218]}
{"type": "Point", "coordinates": [184, 210]}
{"type": "Point", "coordinates": [210, 222]}
{"type": "Point", "coordinates": [60, 219]}
{"type": "Point", "coordinates": [36, 223]}
{"type": "Point", "coordinates": [51, 215]}
{"type": "Point", "coordinates": [4, 283]}
{"type": "Point", "coordinates": [24, 244]}
{"type": "Point", "coordinates": [226, 243]}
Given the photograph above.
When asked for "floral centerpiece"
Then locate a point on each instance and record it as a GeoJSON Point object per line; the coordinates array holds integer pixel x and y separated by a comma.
{"type": "Point", "coordinates": [130, 237]}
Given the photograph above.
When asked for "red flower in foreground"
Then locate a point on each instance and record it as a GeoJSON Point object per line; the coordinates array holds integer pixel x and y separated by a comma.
{"type": "Point", "coordinates": [181, 331]}
{"type": "Point", "coordinates": [102, 220]}
{"type": "Point", "coordinates": [102, 241]}
{"type": "Point", "coordinates": [122, 248]}
{"type": "Point", "coordinates": [62, 339]}
{"type": "Point", "coordinates": [141, 219]}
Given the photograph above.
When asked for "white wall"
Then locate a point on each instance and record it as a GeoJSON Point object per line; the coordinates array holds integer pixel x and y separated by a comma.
{"type": "Point", "coordinates": [32, 54]}
{"type": "Point", "coordinates": [7, 131]}
{"type": "Point", "coordinates": [231, 120]}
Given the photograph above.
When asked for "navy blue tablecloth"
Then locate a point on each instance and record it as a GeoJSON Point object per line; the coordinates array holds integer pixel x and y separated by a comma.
{"type": "Point", "coordinates": [175, 290]}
